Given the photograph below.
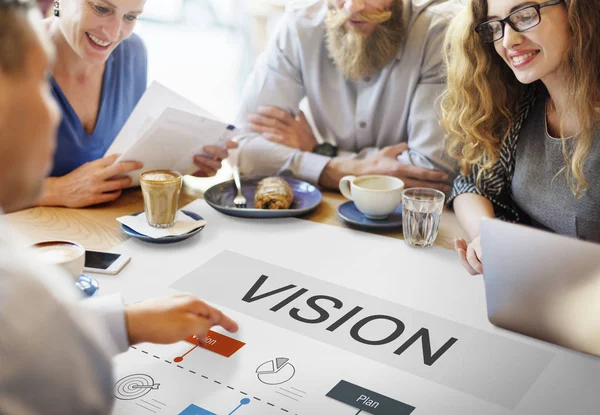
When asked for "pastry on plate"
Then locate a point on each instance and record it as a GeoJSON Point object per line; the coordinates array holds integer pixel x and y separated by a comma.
{"type": "Point", "coordinates": [273, 193]}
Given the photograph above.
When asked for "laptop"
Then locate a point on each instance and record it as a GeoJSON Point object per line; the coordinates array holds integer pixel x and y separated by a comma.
{"type": "Point", "coordinates": [542, 285]}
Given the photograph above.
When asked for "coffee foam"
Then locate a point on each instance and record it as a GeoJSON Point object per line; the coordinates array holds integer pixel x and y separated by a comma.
{"type": "Point", "coordinates": [57, 253]}
{"type": "Point", "coordinates": [159, 177]}
{"type": "Point", "coordinates": [377, 183]}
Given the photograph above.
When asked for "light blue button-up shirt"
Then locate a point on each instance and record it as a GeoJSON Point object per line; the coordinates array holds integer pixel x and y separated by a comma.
{"type": "Point", "coordinates": [396, 105]}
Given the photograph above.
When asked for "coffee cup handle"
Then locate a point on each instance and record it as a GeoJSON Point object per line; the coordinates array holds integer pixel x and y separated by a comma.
{"type": "Point", "coordinates": [345, 186]}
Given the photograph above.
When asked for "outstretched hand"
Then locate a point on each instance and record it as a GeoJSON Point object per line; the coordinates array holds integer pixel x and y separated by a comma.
{"type": "Point", "coordinates": [173, 318]}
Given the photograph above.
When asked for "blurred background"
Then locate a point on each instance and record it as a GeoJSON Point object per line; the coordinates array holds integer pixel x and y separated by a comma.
{"type": "Point", "coordinates": [205, 49]}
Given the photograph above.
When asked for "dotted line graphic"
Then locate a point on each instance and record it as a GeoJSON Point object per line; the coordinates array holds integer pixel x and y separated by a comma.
{"type": "Point", "coordinates": [207, 378]}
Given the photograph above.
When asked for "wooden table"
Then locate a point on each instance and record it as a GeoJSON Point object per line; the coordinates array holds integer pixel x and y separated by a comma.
{"type": "Point", "coordinates": [96, 227]}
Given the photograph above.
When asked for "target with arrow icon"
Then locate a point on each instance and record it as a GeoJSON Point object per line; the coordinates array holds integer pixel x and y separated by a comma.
{"type": "Point", "coordinates": [134, 387]}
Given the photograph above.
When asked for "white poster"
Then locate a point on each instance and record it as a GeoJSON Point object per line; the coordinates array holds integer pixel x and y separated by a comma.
{"type": "Point", "coordinates": [334, 321]}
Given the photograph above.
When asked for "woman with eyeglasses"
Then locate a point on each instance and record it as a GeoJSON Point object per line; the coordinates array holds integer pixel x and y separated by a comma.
{"type": "Point", "coordinates": [522, 113]}
{"type": "Point", "coordinates": [99, 75]}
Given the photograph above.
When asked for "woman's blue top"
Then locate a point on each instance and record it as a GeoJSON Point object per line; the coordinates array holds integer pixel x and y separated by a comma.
{"type": "Point", "coordinates": [124, 83]}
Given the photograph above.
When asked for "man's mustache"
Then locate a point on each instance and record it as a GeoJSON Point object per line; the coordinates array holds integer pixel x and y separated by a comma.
{"type": "Point", "coordinates": [339, 17]}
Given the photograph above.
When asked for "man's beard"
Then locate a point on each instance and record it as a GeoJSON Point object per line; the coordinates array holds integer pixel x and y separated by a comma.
{"type": "Point", "coordinates": [357, 55]}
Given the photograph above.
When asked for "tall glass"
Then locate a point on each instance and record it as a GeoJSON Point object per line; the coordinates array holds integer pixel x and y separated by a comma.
{"type": "Point", "coordinates": [421, 214]}
{"type": "Point", "coordinates": [161, 189]}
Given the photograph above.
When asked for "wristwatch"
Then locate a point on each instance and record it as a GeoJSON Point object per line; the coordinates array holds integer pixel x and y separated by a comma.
{"type": "Point", "coordinates": [326, 149]}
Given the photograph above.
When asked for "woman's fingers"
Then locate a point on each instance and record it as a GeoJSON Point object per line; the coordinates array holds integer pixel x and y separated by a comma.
{"type": "Point", "coordinates": [209, 163]}
{"type": "Point", "coordinates": [218, 153]}
{"type": "Point", "coordinates": [200, 173]}
{"type": "Point", "coordinates": [105, 161]}
{"type": "Point", "coordinates": [462, 255]}
{"type": "Point", "coordinates": [115, 184]}
{"type": "Point", "coordinates": [104, 198]}
{"type": "Point", "coordinates": [460, 246]}
{"type": "Point", "coordinates": [206, 163]}
{"type": "Point", "coordinates": [474, 261]}
{"type": "Point", "coordinates": [120, 168]}
{"type": "Point", "coordinates": [204, 172]}
{"type": "Point", "coordinates": [460, 243]}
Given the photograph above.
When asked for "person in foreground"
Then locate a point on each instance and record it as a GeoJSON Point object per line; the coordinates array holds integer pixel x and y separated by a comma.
{"type": "Point", "coordinates": [522, 112]}
{"type": "Point", "coordinates": [371, 71]}
{"type": "Point", "coordinates": [99, 76]}
{"type": "Point", "coordinates": [55, 348]}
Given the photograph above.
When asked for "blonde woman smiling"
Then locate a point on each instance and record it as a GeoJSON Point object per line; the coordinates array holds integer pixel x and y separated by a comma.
{"type": "Point", "coordinates": [99, 75]}
{"type": "Point", "coordinates": [522, 111]}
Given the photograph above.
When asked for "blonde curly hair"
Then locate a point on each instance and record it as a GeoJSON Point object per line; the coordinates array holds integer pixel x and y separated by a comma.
{"type": "Point", "coordinates": [483, 93]}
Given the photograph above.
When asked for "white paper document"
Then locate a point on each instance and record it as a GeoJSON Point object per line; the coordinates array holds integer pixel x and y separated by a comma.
{"type": "Point", "coordinates": [165, 131]}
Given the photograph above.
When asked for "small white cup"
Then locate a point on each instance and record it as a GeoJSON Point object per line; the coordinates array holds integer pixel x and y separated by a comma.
{"type": "Point", "coordinates": [375, 196]}
{"type": "Point", "coordinates": [68, 255]}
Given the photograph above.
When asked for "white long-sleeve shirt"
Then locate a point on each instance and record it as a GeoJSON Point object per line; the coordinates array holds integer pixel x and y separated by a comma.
{"type": "Point", "coordinates": [55, 348]}
{"type": "Point", "coordinates": [396, 105]}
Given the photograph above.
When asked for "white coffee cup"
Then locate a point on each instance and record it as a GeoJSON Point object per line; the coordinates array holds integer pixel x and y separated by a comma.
{"type": "Point", "coordinates": [68, 255]}
{"type": "Point", "coordinates": [375, 196]}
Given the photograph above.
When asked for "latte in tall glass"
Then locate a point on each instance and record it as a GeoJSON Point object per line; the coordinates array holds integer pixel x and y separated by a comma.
{"type": "Point", "coordinates": [161, 189]}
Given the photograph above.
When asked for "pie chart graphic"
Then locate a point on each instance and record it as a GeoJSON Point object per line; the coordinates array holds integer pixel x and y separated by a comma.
{"type": "Point", "coordinates": [276, 371]}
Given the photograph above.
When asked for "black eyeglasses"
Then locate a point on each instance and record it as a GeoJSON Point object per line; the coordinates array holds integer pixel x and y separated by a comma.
{"type": "Point", "coordinates": [520, 20]}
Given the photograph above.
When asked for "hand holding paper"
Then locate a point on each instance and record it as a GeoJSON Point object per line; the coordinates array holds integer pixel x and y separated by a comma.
{"type": "Point", "coordinates": [208, 164]}
{"type": "Point", "coordinates": [94, 182]}
{"type": "Point", "coordinates": [165, 131]}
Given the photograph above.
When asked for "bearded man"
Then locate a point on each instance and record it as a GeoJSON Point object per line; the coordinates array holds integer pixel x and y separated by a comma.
{"type": "Point", "coordinates": [371, 72]}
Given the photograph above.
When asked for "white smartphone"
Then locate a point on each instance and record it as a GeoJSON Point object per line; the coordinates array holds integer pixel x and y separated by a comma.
{"type": "Point", "coordinates": [104, 262]}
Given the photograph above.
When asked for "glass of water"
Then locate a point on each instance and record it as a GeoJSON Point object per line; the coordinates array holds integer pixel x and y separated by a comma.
{"type": "Point", "coordinates": [421, 213]}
